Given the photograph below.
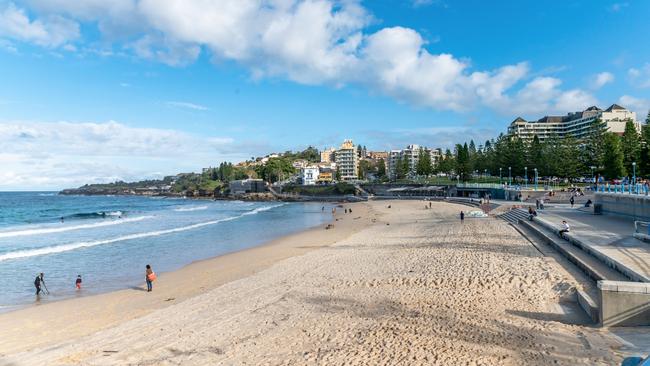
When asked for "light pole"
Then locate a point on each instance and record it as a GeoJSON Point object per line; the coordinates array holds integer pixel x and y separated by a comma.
{"type": "Point", "coordinates": [485, 174]}
{"type": "Point", "coordinates": [509, 175]}
{"type": "Point", "coordinates": [500, 180]}
{"type": "Point", "coordinates": [535, 179]}
{"type": "Point", "coordinates": [633, 176]}
{"type": "Point", "coordinates": [526, 176]}
{"type": "Point", "coordinates": [593, 177]}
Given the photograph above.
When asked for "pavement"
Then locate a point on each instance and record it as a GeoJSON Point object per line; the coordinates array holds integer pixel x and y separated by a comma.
{"type": "Point", "coordinates": [610, 234]}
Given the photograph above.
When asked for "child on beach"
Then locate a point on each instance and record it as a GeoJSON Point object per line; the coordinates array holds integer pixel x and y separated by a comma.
{"type": "Point", "coordinates": [78, 282]}
{"type": "Point", "coordinates": [150, 276]}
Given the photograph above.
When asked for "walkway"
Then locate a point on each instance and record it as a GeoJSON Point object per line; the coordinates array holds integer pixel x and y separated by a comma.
{"type": "Point", "coordinates": [609, 234]}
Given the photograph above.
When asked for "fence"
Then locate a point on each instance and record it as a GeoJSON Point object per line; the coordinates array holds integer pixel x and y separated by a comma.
{"type": "Point", "coordinates": [623, 188]}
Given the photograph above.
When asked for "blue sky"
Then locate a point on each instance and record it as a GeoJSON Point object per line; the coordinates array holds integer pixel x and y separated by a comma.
{"type": "Point", "coordinates": [93, 91]}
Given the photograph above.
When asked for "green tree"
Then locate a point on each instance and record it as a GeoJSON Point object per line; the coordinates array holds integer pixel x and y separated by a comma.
{"type": "Point", "coordinates": [276, 169]}
{"type": "Point", "coordinates": [568, 152]}
{"type": "Point", "coordinates": [592, 154]}
{"type": "Point", "coordinates": [613, 159]}
{"type": "Point", "coordinates": [364, 168]}
{"type": "Point", "coordinates": [447, 163]}
{"type": "Point", "coordinates": [381, 169]}
{"type": "Point", "coordinates": [463, 164]}
{"type": "Point", "coordinates": [401, 168]}
{"type": "Point", "coordinates": [644, 160]}
{"type": "Point", "coordinates": [631, 145]}
{"type": "Point", "coordinates": [424, 166]}
{"type": "Point", "coordinates": [535, 154]}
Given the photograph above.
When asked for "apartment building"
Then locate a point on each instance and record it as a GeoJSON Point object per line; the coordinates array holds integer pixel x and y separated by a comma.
{"type": "Point", "coordinates": [412, 154]}
{"type": "Point", "coordinates": [347, 160]}
{"type": "Point", "coordinates": [575, 124]}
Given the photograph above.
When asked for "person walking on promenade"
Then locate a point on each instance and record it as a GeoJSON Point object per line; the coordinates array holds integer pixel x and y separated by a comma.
{"type": "Point", "coordinates": [572, 200]}
{"type": "Point", "coordinates": [462, 217]}
{"type": "Point", "coordinates": [150, 276]}
{"type": "Point", "coordinates": [537, 203]}
{"type": "Point", "coordinates": [77, 283]}
{"type": "Point", "coordinates": [565, 228]}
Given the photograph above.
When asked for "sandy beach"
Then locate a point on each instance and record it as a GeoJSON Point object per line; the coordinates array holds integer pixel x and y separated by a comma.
{"type": "Point", "coordinates": [401, 285]}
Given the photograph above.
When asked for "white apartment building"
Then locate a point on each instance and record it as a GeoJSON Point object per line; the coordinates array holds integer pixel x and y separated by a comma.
{"type": "Point", "coordinates": [412, 154]}
{"type": "Point", "coordinates": [309, 175]}
{"type": "Point", "coordinates": [576, 124]}
{"type": "Point", "coordinates": [347, 160]}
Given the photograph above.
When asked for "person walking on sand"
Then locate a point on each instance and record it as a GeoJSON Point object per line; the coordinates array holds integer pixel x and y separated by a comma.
{"type": "Point", "coordinates": [150, 276]}
{"type": "Point", "coordinates": [78, 283]}
{"type": "Point", "coordinates": [462, 217]}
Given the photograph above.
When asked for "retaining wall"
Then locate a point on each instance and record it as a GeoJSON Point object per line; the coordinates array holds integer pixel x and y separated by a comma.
{"type": "Point", "coordinates": [624, 303]}
{"type": "Point", "coordinates": [633, 206]}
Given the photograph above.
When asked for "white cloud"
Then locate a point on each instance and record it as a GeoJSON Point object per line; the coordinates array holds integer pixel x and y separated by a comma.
{"type": "Point", "coordinates": [640, 76]}
{"type": "Point", "coordinates": [319, 42]}
{"type": "Point", "coordinates": [187, 105]}
{"type": "Point", "coordinates": [638, 105]}
{"type": "Point", "coordinates": [616, 7]}
{"type": "Point", "coordinates": [602, 79]}
{"type": "Point", "coordinates": [52, 31]}
{"type": "Point", "coordinates": [39, 155]}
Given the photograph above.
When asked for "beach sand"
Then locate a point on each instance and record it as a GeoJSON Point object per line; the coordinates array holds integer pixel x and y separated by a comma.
{"type": "Point", "coordinates": [403, 285]}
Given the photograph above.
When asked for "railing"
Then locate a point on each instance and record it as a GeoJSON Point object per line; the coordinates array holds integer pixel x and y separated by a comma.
{"type": "Point", "coordinates": [623, 188]}
{"type": "Point", "coordinates": [480, 185]}
{"type": "Point", "coordinates": [642, 230]}
{"type": "Point", "coordinates": [514, 187]}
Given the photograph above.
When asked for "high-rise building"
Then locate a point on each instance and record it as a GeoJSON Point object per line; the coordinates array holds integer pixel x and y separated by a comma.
{"type": "Point", "coordinates": [577, 124]}
{"type": "Point", "coordinates": [347, 160]}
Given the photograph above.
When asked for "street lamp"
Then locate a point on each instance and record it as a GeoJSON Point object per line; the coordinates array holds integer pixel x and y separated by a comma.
{"type": "Point", "coordinates": [634, 172]}
{"type": "Point", "coordinates": [526, 175]}
{"type": "Point", "coordinates": [535, 179]}
{"type": "Point", "coordinates": [500, 180]}
{"type": "Point", "coordinates": [509, 175]}
{"type": "Point", "coordinates": [485, 174]}
{"type": "Point", "coordinates": [593, 177]}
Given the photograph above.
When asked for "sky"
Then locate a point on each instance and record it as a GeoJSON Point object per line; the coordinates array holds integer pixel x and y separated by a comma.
{"type": "Point", "coordinates": [96, 91]}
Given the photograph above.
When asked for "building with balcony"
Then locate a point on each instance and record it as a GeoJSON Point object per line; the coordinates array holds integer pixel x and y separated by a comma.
{"type": "Point", "coordinates": [576, 124]}
{"type": "Point", "coordinates": [412, 154]}
{"type": "Point", "coordinates": [347, 161]}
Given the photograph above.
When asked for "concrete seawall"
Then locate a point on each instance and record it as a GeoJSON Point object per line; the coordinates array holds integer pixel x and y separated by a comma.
{"type": "Point", "coordinates": [636, 207]}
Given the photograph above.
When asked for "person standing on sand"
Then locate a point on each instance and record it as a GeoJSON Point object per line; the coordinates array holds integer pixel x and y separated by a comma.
{"type": "Point", "coordinates": [462, 217]}
{"type": "Point", "coordinates": [150, 276]}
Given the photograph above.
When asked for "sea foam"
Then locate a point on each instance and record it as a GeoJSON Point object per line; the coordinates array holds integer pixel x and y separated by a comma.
{"type": "Point", "coordinates": [51, 230]}
{"type": "Point", "coordinates": [85, 244]}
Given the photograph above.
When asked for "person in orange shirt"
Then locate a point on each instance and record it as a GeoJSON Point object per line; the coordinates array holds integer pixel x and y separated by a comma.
{"type": "Point", "coordinates": [150, 276]}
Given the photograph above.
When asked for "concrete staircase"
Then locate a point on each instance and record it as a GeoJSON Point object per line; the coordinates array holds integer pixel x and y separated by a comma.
{"type": "Point", "coordinates": [514, 216]}
{"type": "Point", "coordinates": [595, 267]}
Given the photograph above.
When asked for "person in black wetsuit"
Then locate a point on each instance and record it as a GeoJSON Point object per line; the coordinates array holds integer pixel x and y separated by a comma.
{"type": "Point", "coordinates": [38, 282]}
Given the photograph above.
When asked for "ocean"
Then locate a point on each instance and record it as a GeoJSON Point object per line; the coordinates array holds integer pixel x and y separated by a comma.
{"type": "Point", "coordinates": [108, 240]}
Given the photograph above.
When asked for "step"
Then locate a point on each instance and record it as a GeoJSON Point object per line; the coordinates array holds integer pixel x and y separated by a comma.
{"type": "Point", "coordinates": [594, 251]}
{"type": "Point", "coordinates": [591, 265]}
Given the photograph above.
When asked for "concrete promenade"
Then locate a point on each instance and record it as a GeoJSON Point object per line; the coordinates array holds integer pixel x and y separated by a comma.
{"type": "Point", "coordinates": [608, 234]}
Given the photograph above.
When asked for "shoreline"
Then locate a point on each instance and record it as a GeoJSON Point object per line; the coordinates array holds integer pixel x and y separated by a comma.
{"type": "Point", "coordinates": [61, 320]}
